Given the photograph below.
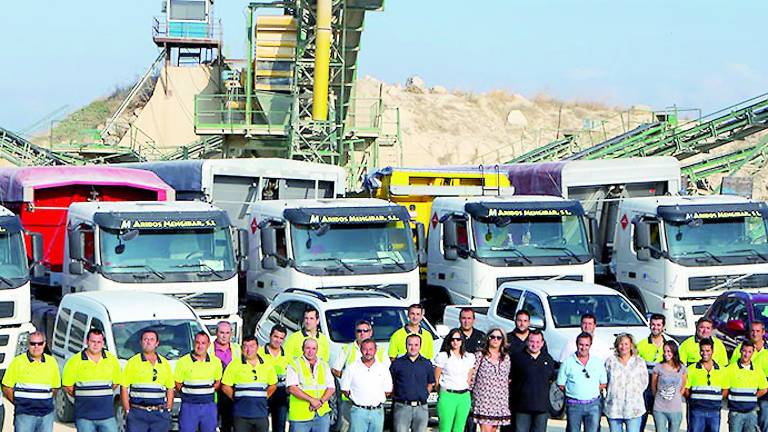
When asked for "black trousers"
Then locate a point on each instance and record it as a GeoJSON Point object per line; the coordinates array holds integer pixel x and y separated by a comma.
{"type": "Point", "coordinates": [224, 405]}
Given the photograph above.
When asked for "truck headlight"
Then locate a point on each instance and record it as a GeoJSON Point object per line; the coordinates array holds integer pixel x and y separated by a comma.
{"type": "Point", "coordinates": [678, 314]}
{"type": "Point", "coordinates": [21, 343]}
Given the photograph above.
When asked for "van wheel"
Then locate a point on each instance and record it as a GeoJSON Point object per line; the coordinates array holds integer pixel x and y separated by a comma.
{"type": "Point", "coordinates": [556, 402]}
{"type": "Point", "coordinates": [65, 409]}
{"type": "Point", "coordinates": [120, 416]}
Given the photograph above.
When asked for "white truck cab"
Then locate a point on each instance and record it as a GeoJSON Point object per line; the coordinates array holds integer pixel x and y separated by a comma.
{"type": "Point", "coordinates": [183, 249]}
{"type": "Point", "coordinates": [477, 243]}
{"type": "Point", "coordinates": [678, 253]}
{"type": "Point", "coordinates": [15, 308]}
{"type": "Point", "coordinates": [122, 316]}
{"type": "Point", "coordinates": [330, 243]}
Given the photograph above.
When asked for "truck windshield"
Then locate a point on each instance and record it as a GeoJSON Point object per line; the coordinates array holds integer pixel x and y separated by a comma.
{"type": "Point", "coordinates": [610, 310]}
{"type": "Point", "coordinates": [161, 253]}
{"type": "Point", "coordinates": [531, 240]}
{"type": "Point", "coordinates": [356, 248]}
{"type": "Point", "coordinates": [176, 337]}
{"type": "Point", "coordinates": [13, 259]}
{"type": "Point", "coordinates": [707, 242]}
{"type": "Point", "coordinates": [385, 320]}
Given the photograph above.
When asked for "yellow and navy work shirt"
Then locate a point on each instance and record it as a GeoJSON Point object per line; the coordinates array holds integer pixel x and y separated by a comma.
{"type": "Point", "coordinates": [33, 383]}
{"type": "Point", "coordinates": [757, 356]}
{"type": "Point", "coordinates": [250, 386]}
{"type": "Point", "coordinates": [295, 342]}
{"type": "Point", "coordinates": [651, 353]}
{"type": "Point", "coordinates": [197, 378]}
{"type": "Point", "coordinates": [689, 351]}
{"type": "Point", "coordinates": [147, 383]}
{"type": "Point", "coordinates": [706, 387]}
{"type": "Point", "coordinates": [93, 383]}
{"type": "Point", "coordinates": [397, 343]}
{"type": "Point", "coordinates": [742, 383]}
{"type": "Point", "coordinates": [279, 363]}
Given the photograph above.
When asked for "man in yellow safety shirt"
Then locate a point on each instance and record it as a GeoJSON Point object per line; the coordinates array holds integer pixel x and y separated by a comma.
{"type": "Point", "coordinates": [198, 376]}
{"type": "Point", "coordinates": [397, 346]}
{"type": "Point", "coordinates": [689, 349]}
{"type": "Point", "coordinates": [310, 386]}
{"type": "Point", "coordinates": [249, 381]}
{"type": "Point", "coordinates": [310, 330]}
{"type": "Point", "coordinates": [91, 377]}
{"type": "Point", "coordinates": [274, 354]}
{"type": "Point", "coordinates": [147, 385]}
{"type": "Point", "coordinates": [29, 383]}
{"type": "Point", "coordinates": [705, 388]}
{"type": "Point", "coordinates": [745, 384]}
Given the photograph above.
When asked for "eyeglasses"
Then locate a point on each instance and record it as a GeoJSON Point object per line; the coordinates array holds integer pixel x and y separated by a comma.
{"type": "Point", "coordinates": [456, 339]}
{"type": "Point", "coordinates": [495, 337]}
{"type": "Point", "coordinates": [362, 330]}
{"type": "Point", "coordinates": [154, 374]}
{"type": "Point", "coordinates": [36, 343]}
{"type": "Point", "coordinates": [586, 373]}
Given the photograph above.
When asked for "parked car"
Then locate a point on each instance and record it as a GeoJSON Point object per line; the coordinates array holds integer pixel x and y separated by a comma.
{"type": "Point", "coordinates": [733, 313]}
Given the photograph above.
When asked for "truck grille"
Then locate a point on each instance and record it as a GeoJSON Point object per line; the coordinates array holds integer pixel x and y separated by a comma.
{"type": "Point", "coordinates": [203, 301]}
{"type": "Point", "coordinates": [499, 281]}
{"type": "Point", "coordinates": [700, 309]}
{"type": "Point", "coordinates": [6, 309]}
{"type": "Point", "coordinates": [703, 283]}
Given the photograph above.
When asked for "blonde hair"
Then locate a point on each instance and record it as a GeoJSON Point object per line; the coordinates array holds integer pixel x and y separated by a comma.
{"type": "Point", "coordinates": [632, 346]}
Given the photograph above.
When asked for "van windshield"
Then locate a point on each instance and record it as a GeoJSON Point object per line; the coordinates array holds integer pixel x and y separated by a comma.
{"type": "Point", "coordinates": [609, 310]}
{"type": "Point", "coordinates": [176, 337]}
{"type": "Point", "coordinates": [385, 319]}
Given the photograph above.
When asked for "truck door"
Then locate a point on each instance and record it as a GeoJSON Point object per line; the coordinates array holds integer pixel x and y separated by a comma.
{"type": "Point", "coordinates": [641, 278]}
{"type": "Point", "coordinates": [451, 269]}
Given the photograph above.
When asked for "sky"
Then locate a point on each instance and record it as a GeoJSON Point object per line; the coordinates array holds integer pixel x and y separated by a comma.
{"type": "Point", "coordinates": [694, 54]}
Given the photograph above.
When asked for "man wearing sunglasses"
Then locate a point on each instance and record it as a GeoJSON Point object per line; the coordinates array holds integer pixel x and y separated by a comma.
{"type": "Point", "coordinates": [146, 390]}
{"type": "Point", "coordinates": [30, 383]}
{"type": "Point", "coordinates": [582, 377]}
{"type": "Point", "coordinates": [350, 353]}
{"type": "Point", "coordinates": [704, 389]}
{"type": "Point", "coordinates": [249, 381]}
{"type": "Point", "coordinates": [198, 376]}
{"type": "Point", "coordinates": [91, 377]}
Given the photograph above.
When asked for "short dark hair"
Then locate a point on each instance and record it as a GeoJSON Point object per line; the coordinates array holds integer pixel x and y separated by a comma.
{"type": "Point", "coordinates": [588, 316]}
{"type": "Point", "coordinates": [368, 340]}
{"type": "Point", "coordinates": [418, 306]}
{"type": "Point", "coordinates": [95, 332]}
{"type": "Point", "coordinates": [534, 332]}
{"type": "Point", "coordinates": [363, 321]}
{"type": "Point", "coordinates": [584, 335]}
{"type": "Point", "coordinates": [703, 320]}
{"type": "Point", "coordinates": [522, 312]}
{"type": "Point", "coordinates": [202, 333]}
{"type": "Point", "coordinates": [309, 309]}
{"type": "Point", "coordinates": [149, 330]}
{"type": "Point", "coordinates": [467, 309]}
{"type": "Point", "coordinates": [657, 316]}
{"type": "Point", "coordinates": [707, 341]}
{"type": "Point", "coordinates": [250, 339]}
{"type": "Point", "coordinates": [413, 335]}
{"type": "Point", "coordinates": [278, 328]}
{"type": "Point", "coordinates": [747, 343]}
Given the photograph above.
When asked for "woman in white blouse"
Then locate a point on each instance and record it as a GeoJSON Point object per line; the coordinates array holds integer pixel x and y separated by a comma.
{"type": "Point", "coordinates": [627, 380]}
{"type": "Point", "coordinates": [453, 369]}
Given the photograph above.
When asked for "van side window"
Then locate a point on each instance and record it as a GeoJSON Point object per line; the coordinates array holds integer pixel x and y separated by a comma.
{"type": "Point", "coordinates": [77, 332]}
{"type": "Point", "coordinates": [508, 304]}
{"type": "Point", "coordinates": [60, 331]}
{"type": "Point", "coordinates": [532, 304]}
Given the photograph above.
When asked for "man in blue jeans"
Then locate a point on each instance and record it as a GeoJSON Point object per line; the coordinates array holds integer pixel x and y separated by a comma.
{"type": "Point", "coordinates": [367, 383]}
{"type": "Point", "coordinates": [704, 390]}
{"type": "Point", "coordinates": [582, 377]}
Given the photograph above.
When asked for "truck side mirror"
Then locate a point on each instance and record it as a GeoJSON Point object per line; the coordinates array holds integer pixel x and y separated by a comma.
{"type": "Point", "coordinates": [643, 235]}
{"type": "Point", "coordinates": [242, 243]}
{"type": "Point", "coordinates": [36, 241]}
{"type": "Point", "coordinates": [537, 323]}
{"type": "Point", "coordinates": [268, 247]}
{"type": "Point", "coordinates": [75, 246]}
{"type": "Point", "coordinates": [421, 247]}
{"type": "Point", "coordinates": [450, 239]}
{"type": "Point", "coordinates": [594, 246]}
{"type": "Point", "coordinates": [76, 267]}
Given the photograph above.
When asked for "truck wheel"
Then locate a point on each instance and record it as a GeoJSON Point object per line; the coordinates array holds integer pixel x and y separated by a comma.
{"type": "Point", "coordinates": [556, 402]}
{"type": "Point", "coordinates": [119, 416]}
{"type": "Point", "coordinates": [65, 409]}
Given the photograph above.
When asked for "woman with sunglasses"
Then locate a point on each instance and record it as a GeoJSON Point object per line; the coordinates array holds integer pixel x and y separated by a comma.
{"type": "Point", "coordinates": [627, 380]}
{"type": "Point", "coordinates": [490, 383]}
{"type": "Point", "coordinates": [453, 369]}
{"type": "Point", "coordinates": [667, 384]}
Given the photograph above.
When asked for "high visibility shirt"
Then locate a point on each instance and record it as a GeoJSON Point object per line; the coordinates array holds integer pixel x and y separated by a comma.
{"type": "Point", "coordinates": [397, 343]}
{"type": "Point", "coordinates": [757, 356]}
{"type": "Point", "coordinates": [649, 352]}
{"type": "Point", "coordinates": [250, 386]}
{"type": "Point", "coordinates": [197, 378]}
{"type": "Point", "coordinates": [279, 363]}
{"type": "Point", "coordinates": [689, 351]}
{"type": "Point", "coordinates": [706, 387]}
{"type": "Point", "coordinates": [294, 345]}
{"type": "Point", "coordinates": [311, 380]}
{"type": "Point", "coordinates": [33, 383]}
{"type": "Point", "coordinates": [93, 383]}
{"type": "Point", "coordinates": [235, 351]}
{"type": "Point", "coordinates": [742, 383]}
{"type": "Point", "coordinates": [147, 383]}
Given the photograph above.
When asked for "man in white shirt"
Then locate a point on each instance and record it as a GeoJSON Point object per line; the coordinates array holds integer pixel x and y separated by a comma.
{"type": "Point", "coordinates": [367, 383]}
{"type": "Point", "coordinates": [601, 348]}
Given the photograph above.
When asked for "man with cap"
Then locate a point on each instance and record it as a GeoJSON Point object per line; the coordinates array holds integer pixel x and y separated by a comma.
{"type": "Point", "coordinates": [198, 376]}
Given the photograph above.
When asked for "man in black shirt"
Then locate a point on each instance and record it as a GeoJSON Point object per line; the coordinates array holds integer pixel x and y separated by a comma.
{"type": "Point", "coordinates": [533, 371]}
{"type": "Point", "coordinates": [413, 377]}
{"type": "Point", "coordinates": [519, 336]}
{"type": "Point", "coordinates": [473, 338]}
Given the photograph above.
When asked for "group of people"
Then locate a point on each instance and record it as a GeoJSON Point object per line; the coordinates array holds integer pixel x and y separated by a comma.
{"type": "Point", "coordinates": [492, 381]}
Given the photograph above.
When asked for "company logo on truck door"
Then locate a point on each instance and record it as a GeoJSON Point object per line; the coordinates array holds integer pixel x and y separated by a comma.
{"type": "Point", "coordinates": [723, 214]}
{"type": "Point", "coordinates": [321, 219]}
{"type": "Point", "coordinates": [528, 212]}
{"type": "Point", "coordinates": [167, 224]}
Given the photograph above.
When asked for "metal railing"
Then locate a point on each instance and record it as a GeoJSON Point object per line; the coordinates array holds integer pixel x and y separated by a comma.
{"type": "Point", "coordinates": [162, 28]}
{"type": "Point", "coordinates": [227, 113]}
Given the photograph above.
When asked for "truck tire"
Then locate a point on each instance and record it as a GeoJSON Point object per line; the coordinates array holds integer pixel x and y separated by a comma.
{"type": "Point", "coordinates": [65, 409]}
{"type": "Point", "coordinates": [556, 402]}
